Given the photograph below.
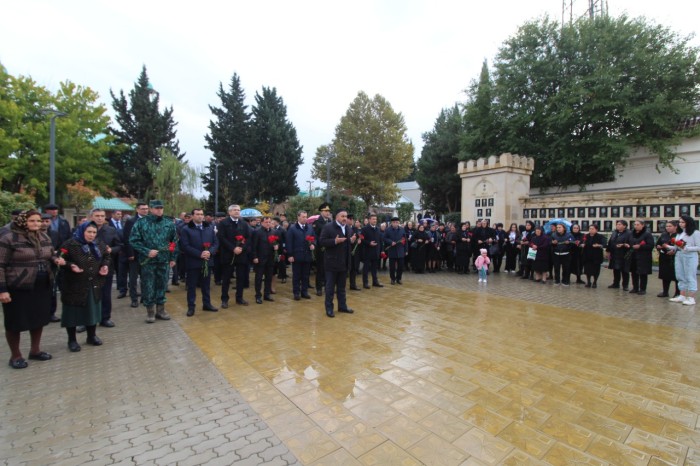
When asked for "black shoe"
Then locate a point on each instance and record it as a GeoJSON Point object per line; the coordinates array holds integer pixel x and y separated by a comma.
{"type": "Point", "coordinates": [94, 341]}
{"type": "Point", "coordinates": [625, 288]}
{"type": "Point", "coordinates": [134, 304]}
{"type": "Point", "coordinates": [366, 287]}
{"type": "Point", "coordinates": [355, 288]}
{"type": "Point", "coordinates": [330, 313]}
{"type": "Point", "coordinates": [176, 283]}
{"type": "Point", "coordinates": [284, 280]}
{"type": "Point", "coordinates": [54, 318]}
{"type": "Point", "coordinates": [80, 329]}
{"type": "Point", "coordinates": [579, 281]}
{"type": "Point", "coordinates": [319, 292]}
{"type": "Point", "coordinates": [306, 296]}
{"type": "Point", "coordinates": [122, 294]}
{"type": "Point", "coordinates": [18, 363]}
{"type": "Point", "coordinates": [346, 310]}
{"type": "Point", "coordinates": [73, 346]}
{"type": "Point", "coordinates": [614, 286]}
{"type": "Point", "coordinates": [224, 304]}
{"type": "Point", "coordinates": [642, 292]}
{"type": "Point", "coordinates": [662, 295]}
{"type": "Point", "coordinates": [41, 356]}
{"type": "Point", "coordinates": [210, 308]}
{"type": "Point", "coordinates": [633, 290]}
{"type": "Point", "coordinates": [393, 282]}
{"type": "Point", "coordinates": [398, 282]}
{"type": "Point", "coordinates": [217, 283]}
{"type": "Point", "coordinates": [258, 300]}
{"type": "Point", "coordinates": [268, 298]}
{"type": "Point", "coordinates": [297, 297]}
{"type": "Point", "coordinates": [241, 302]}
{"type": "Point", "coordinates": [190, 312]}
{"type": "Point", "coordinates": [107, 323]}
{"type": "Point", "coordinates": [595, 285]}
{"type": "Point", "coordinates": [588, 285]}
{"type": "Point", "coordinates": [377, 285]}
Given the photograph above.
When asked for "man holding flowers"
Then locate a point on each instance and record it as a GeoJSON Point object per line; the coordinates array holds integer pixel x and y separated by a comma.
{"type": "Point", "coordinates": [265, 251]}
{"type": "Point", "coordinates": [199, 244]}
{"type": "Point", "coordinates": [301, 244]}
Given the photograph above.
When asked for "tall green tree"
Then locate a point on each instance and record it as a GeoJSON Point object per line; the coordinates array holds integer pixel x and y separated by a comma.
{"type": "Point", "coordinates": [172, 178]}
{"type": "Point", "coordinates": [229, 140]}
{"type": "Point", "coordinates": [142, 130]}
{"type": "Point", "coordinates": [372, 151]}
{"type": "Point", "coordinates": [82, 140]}
{"type": "Point", "coordinates": [275, 148]}
{"type": "Point", "coordinates": [437, 176]}
{"type": "Point", "coordinates": [580, 98]}
{"type": "Point", "coordinates": [480, 132]}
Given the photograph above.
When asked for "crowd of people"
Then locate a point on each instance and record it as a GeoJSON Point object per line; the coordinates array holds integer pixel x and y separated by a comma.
{"type": "Point", "coordinates": [41, 258]}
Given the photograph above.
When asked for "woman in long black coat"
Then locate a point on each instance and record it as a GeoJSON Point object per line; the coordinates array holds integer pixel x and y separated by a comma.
{"type": "Point", "coordinates": [421, 240]}
{"type": "Point", "coordinates": [592, 247]}
{"type": "Point", "coordinates": [667, 256]}
{"type": "Point", "coordinates": [576, 266]}
{"type": "Point", "coordinates": [642, 243]}
{"type": "Point", "coordinates": [542, 243]}
{"type": "Point", "coordinates": [618, 247]}
{"type": "Point", "coordinates": [463, 249]}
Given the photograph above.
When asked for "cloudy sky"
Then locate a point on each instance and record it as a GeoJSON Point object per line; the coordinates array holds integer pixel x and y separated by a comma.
{"type": "Point", "coordinates": [419, 54]}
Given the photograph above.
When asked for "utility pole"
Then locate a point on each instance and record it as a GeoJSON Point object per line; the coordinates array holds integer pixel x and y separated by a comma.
{"type": "Point", "coordinates": [216, 186]}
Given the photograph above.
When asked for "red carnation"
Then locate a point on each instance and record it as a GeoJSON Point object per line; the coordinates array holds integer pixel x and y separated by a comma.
{"type": "Point", "coordinates": [642, 243]}
{"type": "Point", "coordinates": [63, 251]}
{"type": "Point", "coordinates": [383, 255]}
{"type": "Point", "coordinates": [206, 245]}
{"type": "Point", "coordinates": [240, 239]}
{"type": "Point", "coordinates": [171, 247]}
{"type": "Point", "coordinates": [272, 239]}
{"type": "Point", "coordinates": [403, 240]}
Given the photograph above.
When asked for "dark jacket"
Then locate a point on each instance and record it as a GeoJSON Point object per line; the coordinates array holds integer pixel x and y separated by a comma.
{"type": "Point", "coordinates": [593, 255]}
{"type": "Point", "coordinates": [297, 245]}
{"type": "Point", "coordinates": [192, 241]}
{"type": "Point", "coordinates": [370, 253]}
{"type": "Point", "coordinates": [667, 266]}
{"type": "Point", "coordinates": [227, 232]}
{"type": "Point", "coordinates": [127, 249]}
{"type": "Point", "coordinates": [20, 262]}
{"type": "Point", "coordinates": [262, 249]}
{"type": "Point", "coordinates": [76, 285]}
{"type": "Point", "coordinates": [337, 256]}
{"type": "Point", "coordinates": [618, 254]}
{"type": "Point", "coordinates": [110, 237]}
{"type": "Point", "coordinates": [640, 262]}
{"type": "Point", "coordinates": [64, 232]}
{"type": "Point", "coordinates": [152, 232]}
{"type": "Point", "coordinates": [392, 235]}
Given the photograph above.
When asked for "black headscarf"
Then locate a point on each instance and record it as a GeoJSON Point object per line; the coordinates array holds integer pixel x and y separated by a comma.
{"type": "Point", "coordinates": [79, 236]}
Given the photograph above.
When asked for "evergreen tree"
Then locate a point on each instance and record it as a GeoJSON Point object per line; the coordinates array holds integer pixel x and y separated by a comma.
{"type": "Point", "coordinates": [142, 131]}
{"type": "Point", "coordinates": [480, 137]}
{"type": "Point", "coordinates": [275, 148]}
{"type": "Point", "coordinates": [229, 140]}
{"type": "Point", "coordinates": [437, 175]}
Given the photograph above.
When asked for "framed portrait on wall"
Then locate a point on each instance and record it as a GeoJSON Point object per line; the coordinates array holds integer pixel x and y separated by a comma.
{"type": "Point", "coordinates": [533, 213]}
{"type": "Point", "coordinates": [538, 223]}
{"type": "Point", "coordinates": [615, 212]}
{"type": "Point", "coordinates": [526, 213]}
{"type": "Point", "coordinates": [477, 203]}
{"type": "Point", "coordinates": [669, 211]}
{"type": "Point", "coordinates": [684, 209]}
{"type": "Point", "coordinates": [560, 212]}
{"type": "Point", "coordinates": [574, 222]}
{"type": "Point", "coordinates": [603, 212]}
{"type": "Point", "coordinates": [552, 212]}
{"type": "Point", "coordinates": [628, 211]}
{"type": "Point", "coordinates": [488, 212]}
{"type": "Point", "coordinates": [661, 226]}
{"type": "Point", "coordinates": [584, 225]}
{"type": "Point", "coordinates": [570, 212]}
{"type": "Point", "coordinates": [581, 212]}
{"type": "Point", "coordinates": [483, 202]}
{"type": "Point", "coordinates": [480, 213]}
{"type": "Point", "coordinates": [641, 211]}
{"type": "Point", "coordinates": [607, 225]}
{"type": "Point", "coordinates": [697, 211]}
{"type": "Point", "coordinates": [543, 213]}
{"type": "Point", "coordinates": [592, 212]}
{"type": "Point", "coordinates": [649, 224]}
{"type": "Point", "coordinates": [655, 211]}
{"type": "Point", "coordinates": [490, 202]}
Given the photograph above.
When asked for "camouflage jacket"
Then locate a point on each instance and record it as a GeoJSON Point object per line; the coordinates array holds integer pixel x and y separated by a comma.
{"type": "Point", "coordinates": [151, 232]}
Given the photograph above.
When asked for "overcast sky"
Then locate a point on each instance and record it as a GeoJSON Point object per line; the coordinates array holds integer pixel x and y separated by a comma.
{"type": "Point", "coordinates": [419, 54]}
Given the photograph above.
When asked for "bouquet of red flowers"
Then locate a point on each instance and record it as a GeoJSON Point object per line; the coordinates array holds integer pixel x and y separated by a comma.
{"type": "Point", "coordinates": [240, 241]}
{"type": "Point", "coordinates": [274, 241]}
{"type": "Point", "coordinates": [680, 244]}
{"type": "Point", "coordinates": [383, 255]}
{"type": "Point", "coordinates": [362, 237]}
{"type": "Point", "coordinates": [311, 239]}
{"type": "Point", "coordinates": [205, 265]}
{"type": "Point", "coordinates": [171, 249]}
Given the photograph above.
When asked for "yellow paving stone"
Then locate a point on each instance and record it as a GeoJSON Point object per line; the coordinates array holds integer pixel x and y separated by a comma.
{"type": "Point", "coordinates": [527, 439]}
{"type": "Point", "coordinates": [433, 450]}
{"type": "Point", "coordinates": [656, 446]}
{"type": "Point", "coordinates": [358, 438]}
{"type": "Point", "coordinates": [483, 446]}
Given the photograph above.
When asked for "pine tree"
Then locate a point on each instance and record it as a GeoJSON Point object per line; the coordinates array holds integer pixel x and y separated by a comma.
{"type": "Point", "coordinates": [229, 140]}
{"type": "Point", "coordinates": [276, 149]}
{"type": "Point", "coordinates": [142, 131]}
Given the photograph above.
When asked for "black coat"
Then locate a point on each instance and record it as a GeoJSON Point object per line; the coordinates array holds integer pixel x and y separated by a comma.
{"type": "Point", "coordinates": [297, 246]}
{"type": "Point", "coordinates": [371, 253]}
{"type": "Point", "coordinates": [127, 249]}
{"type": "Point", "coordinates": [192, 241]}
{"type": "Point", "coordinates": [262, 249]}
{"type": "Point", "coordinates": [618, 254]}
{"type": "Point", "coordinates": [337, 256]}
{"type": "Point", "coordinates": [667, 265]}
{"type": "Point", "coordinates": [109, 235]}
{"type": "Point", "coordinates": [227, 232]}
{"type": "Point", "coordinates": [640, 262]}
{"type": "Point", "coordinates": [395, 236]}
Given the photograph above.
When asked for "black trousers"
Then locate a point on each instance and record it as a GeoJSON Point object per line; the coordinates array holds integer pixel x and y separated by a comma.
{"type": "Point", "coordinates": [196, 279]}
{"type": "Point", "coordinates": [639, 282]}
{"type": "Point", "coordinates": [227, 270]}
{"type": "Point", "coordinates": [354, 270]}
{"type": "Point", "coordinates": [301, 271]}
{"type": "Point", "coordinates": [107, 297]}
{"type": "Point", "coordinates": [396, 268]}
{"type": "Point", "coordinates": [562, 272]}
{"type": "Point", "coordinates": [263, 274]}
{"type": "Point", "coordinates": [620, 275]}
{"type": "Point", "coordinates": [134, 272]}
{"type": "Point", "coordinates": [335, 284]}
{"type": "Point", "coordinates": [367, 267]}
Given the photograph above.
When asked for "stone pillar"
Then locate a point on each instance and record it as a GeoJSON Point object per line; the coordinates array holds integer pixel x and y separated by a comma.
{"type": "Point", "coordinates": [499, 182]}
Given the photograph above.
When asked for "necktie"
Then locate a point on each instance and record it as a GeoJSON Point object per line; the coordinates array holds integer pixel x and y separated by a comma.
{"type": "Point", "coordinates": [119, 225]}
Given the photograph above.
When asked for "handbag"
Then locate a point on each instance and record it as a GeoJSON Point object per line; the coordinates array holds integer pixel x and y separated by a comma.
{"type": "Point", "coordinates": [531, 254]}
{"type": "Point", "coordinates": [494, 250]}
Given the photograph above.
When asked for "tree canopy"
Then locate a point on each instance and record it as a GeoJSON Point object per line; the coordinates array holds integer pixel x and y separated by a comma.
{"type": "Point", "coordinates": [370, 151]}
{"type": "Point", "coordinates": [82, 140]}
{"type": "Point", "coordinates": [141, 132]}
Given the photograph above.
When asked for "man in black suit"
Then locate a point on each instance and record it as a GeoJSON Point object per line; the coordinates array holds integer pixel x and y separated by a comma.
{"type": "Point", "coordinates": [234, 235]}
{"type": "Point", "coordinates": [301, 252]}
{"type": "Point", "coordinates": [131, 255]}
{"type": "Point", "coordinates": [263, 253]}
{"type": "Point", "coordinates": [58, 224]}
{"type": "Point", "coordinates": [337, 239]}
{"type": "Point", "coordinates": [109, 236]}
{"type": "Point", "coordinates": [324, 219]}
{"type": "Point", "coordinates": [371, 247]}
{"type": "Point", "coordinates": [121, 264]}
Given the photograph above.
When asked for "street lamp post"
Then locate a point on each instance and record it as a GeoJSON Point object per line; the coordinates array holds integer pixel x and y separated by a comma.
{"type": "Point", "coordinates": [328, 178]}
{"type": "Point", "coordinates": [216, 186]}
{"type": "Point", "coordinates": [52, 152]}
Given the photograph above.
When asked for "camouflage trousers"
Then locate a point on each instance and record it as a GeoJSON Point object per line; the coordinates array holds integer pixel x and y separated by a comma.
{"type": "Point", "coordinates": [154, 282]}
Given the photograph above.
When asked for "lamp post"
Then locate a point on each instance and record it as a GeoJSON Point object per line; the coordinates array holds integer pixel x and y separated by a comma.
{"type": "Point", "coordinates": [216, 186]}
{"type": "Point", "coordinates": [329, 156]}
{"type": "Point", "coordinates": [310, 182]}
{"type": "Point", "coordinates": [52, 151]}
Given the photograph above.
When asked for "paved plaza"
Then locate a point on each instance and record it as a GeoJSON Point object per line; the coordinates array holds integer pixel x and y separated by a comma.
{"type": "Point", "coordinates": [440, 370]}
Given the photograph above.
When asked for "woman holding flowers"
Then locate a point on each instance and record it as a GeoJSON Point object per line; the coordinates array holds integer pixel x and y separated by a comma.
{"type": "Point", "coordinates": [686, 245]}
{"type": "Point", "coordinates": [593, 246]}
{"type": "Point", "coordinates": [641, 245]}
{"type": "Point", "coordinates": [667, 256]}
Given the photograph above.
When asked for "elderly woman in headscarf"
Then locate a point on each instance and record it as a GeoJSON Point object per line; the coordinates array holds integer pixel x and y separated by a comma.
{"type": "Point", "coordinates": [86, 265]}
{"type": "Point", "coordinates": [26, 283]}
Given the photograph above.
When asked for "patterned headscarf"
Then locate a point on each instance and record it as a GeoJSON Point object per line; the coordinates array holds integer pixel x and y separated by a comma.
{"type": "Point", "coordinates": [19, 224]}
{"type": "Point", "coordinates": [79, 236]}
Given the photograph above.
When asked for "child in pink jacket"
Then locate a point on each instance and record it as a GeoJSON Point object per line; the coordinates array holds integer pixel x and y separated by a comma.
{"type": "Point", "coordinates": [482, 265]}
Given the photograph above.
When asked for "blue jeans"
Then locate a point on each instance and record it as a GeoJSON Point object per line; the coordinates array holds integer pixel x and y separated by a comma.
{"type": "Point", "coordinates": [482, 273]}
{"type": "Point", "coordinates": [686, 271]}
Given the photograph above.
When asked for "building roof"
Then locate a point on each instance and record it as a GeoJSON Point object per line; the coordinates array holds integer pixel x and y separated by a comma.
{"type": "Point", "coordinates": [111, 204]}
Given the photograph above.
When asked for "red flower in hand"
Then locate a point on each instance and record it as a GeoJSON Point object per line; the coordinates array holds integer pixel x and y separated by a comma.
{"type": "Point", "coordinates": [240, 239]}
{"type": "Point", "coordinates": [643, 243]}
{"type": "Point", "coordinates": [310, 239]}
{"type": "Point", "coordinates": [63, 251]}
{"type": "Point", "coordinates": [403, 240]}
{"type": "Point", "coordinates": [206, 246]}
{"type": "Point", "coordinates": [272, 239]}
{"type": "Point", "coordinates": [171, 247]}
{"type": "Point", "coordinates": [383, 255]}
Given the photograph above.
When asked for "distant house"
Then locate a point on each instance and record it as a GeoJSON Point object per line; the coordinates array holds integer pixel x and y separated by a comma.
{"type": "Point", "coordinates": [410, 192]}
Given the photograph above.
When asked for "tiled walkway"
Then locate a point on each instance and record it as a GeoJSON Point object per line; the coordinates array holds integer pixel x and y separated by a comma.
{"type": "Point", "coordinates": [440, 370]}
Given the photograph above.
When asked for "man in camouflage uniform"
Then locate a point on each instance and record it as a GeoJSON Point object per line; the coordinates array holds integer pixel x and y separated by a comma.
{"type": "Point", "coordinates": [155, 240]}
